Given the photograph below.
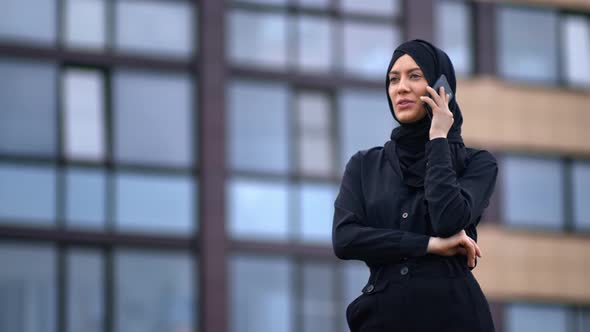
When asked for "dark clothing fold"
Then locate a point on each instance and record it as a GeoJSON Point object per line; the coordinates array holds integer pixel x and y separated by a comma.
{"type": "Point", "coordinates": [385, 223]}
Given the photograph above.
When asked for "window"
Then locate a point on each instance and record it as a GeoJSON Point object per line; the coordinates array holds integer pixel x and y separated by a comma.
{"type": "Point", "coordinates": [85, 24]}
{"type": "Point", "coordinates": [85, 280]}
{"type": "Point", "coordinates": [28, 101]}
{"type": "Point", "coordinates": [153, 115]}
{"type": "Point", "coordinates": [154, 291]}
{"type": "Point", "coordinates": [453, 30]}
{"type": "Point", "coordinates": [319, 308]}
{"type": "Point", "coordinates": [83, 108]}
{"type": "Point", "coordinates": [257, 39]}
{"type": "Point", "coordinates": [315, 41]}
{"type": "Point", "coordinates": [576, 50]}
{"type": "Point", "coordinates": [261, 298]}
{"type": "Point", "coordinates": [581, 195]}
{"type": "Point", "coordinates": [264, 2]}
{"type": "Point", "coordinates": [155, 203]}
{"type": "Point", "coordinates": [85, 198]}
{"type": "Point", "coordinates": [355, 275]}
{"type": "Point", "coordinates": [27, 288]}
{"type": "Point", "coordinates": [27, 194]}
{"type": "Point", "coordinates": [375, 7]}
{"type": "Point", "coordinates": [368, 48]}
{"type": "Point", "coordinates": [316, 212]}
{"type": "Point", "coordinates": [315, 134]}
{"type": "Point", "coordinates": [156, 27]}
{"type": "Point", "coordinates": [254, 144]}
{"type": "Point", "coordinates": [28, 21]}
{"type": "Point", "coordinates": [365, 121]}
{"type": "Point", "coordinates": [315, 3]}
{"type": "Point", "coordinates": [522, 317]}
{"type": "Point", "coordinates": [358, 42]}
{"type": "Point", "coordinates": [533, 190]}
{"type": "Point", "coordinates": [524, 55]}
{"type": "Point", "coordinates": [258, 209]}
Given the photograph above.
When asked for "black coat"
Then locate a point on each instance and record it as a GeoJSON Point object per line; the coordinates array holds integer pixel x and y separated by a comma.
{"type": "Point", "coordinates": [387, 224]}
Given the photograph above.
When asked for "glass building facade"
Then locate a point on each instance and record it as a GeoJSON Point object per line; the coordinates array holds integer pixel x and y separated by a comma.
{"type": "Point", "coordinates": [172, 165]}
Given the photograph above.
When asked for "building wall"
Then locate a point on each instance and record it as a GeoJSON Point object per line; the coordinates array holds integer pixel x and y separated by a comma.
{"type": "Point", "coordinates": [171, 165]}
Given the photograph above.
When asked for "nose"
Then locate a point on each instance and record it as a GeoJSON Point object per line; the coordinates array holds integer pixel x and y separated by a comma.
{"type": "Point", "coordinates": [402, 86]}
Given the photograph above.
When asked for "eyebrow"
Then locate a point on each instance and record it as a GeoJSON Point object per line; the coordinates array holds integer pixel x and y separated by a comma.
{"type": "Point", "coordinates": [409, 70]}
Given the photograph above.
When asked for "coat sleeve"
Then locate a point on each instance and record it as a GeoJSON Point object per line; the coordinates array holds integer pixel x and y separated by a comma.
{"type": "Point", "coordinates": [352, 235]}
{"type": "Point", "coordinates": [455, 203]}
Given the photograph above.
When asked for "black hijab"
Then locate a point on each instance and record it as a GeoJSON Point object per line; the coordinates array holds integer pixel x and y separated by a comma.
{"type": "Point", "coordinates": [406, 149]}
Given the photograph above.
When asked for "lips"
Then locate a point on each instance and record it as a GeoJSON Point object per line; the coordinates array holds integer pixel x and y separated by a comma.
{"type": "Point", "coordinates": [405, 103]}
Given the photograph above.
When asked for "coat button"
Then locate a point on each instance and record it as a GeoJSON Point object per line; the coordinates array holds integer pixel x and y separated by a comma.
{"type": "Point", "coordinates": [369, 288]}
{"type": "Point", "coordinates": [405, 215]}
{"type": "Point", "coordinates": [404, 270]}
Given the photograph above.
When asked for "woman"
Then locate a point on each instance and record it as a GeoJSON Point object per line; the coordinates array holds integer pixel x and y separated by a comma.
{"type": "Point", "coordinates": [409, 209]}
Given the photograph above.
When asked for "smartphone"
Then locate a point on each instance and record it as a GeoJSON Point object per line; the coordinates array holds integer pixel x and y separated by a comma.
{"type": "Point", "coordinates": [441, 81]}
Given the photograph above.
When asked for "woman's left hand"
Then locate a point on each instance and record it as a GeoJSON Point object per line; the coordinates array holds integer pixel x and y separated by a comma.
{"type": "Point", "coordinates": [442, 117]}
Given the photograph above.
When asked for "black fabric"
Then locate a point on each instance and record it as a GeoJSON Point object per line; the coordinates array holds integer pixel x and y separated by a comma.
{"type": "Point", "coordinates": [380, 220]}
{"type": "Point", "coordinates": [406, 149]}
{"type": "Point", "coordinates": [396, 301]}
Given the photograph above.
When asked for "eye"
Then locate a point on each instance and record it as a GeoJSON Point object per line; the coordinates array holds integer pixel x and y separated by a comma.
{"type": "Point", "coordinates": [415, 76]}
{"type": "Point", "coordinates": [393, 79]}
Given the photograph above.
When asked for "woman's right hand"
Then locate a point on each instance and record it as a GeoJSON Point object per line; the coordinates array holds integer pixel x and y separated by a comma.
{"type": "Point", "coordinates": [459, 243]}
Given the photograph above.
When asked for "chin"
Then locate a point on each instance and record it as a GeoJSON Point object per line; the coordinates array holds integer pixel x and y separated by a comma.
{"type": "Point", "coordinates": [409, 116]}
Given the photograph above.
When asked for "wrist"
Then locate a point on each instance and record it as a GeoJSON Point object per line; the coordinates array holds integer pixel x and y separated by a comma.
{"type": "Point", "coordinates": [432, 244]}
{"type": "Point", "coordinates": [437, 134]}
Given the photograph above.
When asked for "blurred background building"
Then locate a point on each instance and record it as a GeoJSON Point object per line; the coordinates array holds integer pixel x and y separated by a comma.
{"type": "Point", "coordinates": [172, 165]}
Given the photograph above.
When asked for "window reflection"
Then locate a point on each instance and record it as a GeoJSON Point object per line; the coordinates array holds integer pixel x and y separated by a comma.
{"type": "Point", "coordinates": [524, 55]}
{"type": "Point", "coordinates": [28, 21]}
{"type": "Point", "coordinates": [255, 144]}
{"type": "Point", "coordinates": [538, 318]}
{"type": "Point", "coordinates": [27, 288]}
{"type": "Point", "coordinates": [581, 195]}
{"type": "Point", "coordinates": [455, 35]}
{"type": "Point", "coordinates": [315, 42]}
{"type": "Point", "coordinates": [154, 292]}
{"type": "Point", "coordinates": [315, 123]}
{"type": "Point", "coordinates": [155, 203]}
{"type": "Point", "coordinates": [27, 101]}
{"type": "Point", "coordinates": [319, 310]}
{"type": "Point", "coordinates": [258, 210]}
{"type": "Point", "coordinates": [576, 39]}
{"type": "Point", "coordinates": [261, 298]}
{"type": "Point", "coordinates": [156, 27]}
{"type": "Point", "coordinates": [85, 24]}
{"type": "Point", "coordinates": [27, 194]}
{"type": "Point", "coordinates": [533, 189]}
{"type": "Point", "coordinates": [85, 280]}
{"type": "Point", "coordinates": [153, 118]}
{"type": "Point", "coordinates": [374, 7]}
{"type": "Point", "coordinates": [365, 121]}
{"type": "Point", "coordinates": [83, 108]}
{"type": "Point", "coordinates": [317, 211]}
{"type": "Point", "coordinates": [85, 198]}
{"type": "Point", "coordinates": [257, 39]}
{"type": "Point", "coordinates": [368, 48]}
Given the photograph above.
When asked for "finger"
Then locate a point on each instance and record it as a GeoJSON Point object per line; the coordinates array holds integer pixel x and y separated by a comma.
{"type": "Point", "coordinates": [470, 253]}
{"type": "Point", "coordinates": [437, 98]}
{"type": "Point", "coordinates": [430, 102]}
{"type": "Point", "coordinates": [477, 249]}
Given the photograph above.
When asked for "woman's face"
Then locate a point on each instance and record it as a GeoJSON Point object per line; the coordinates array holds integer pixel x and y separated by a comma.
{"type": "Point", "coordinates": [406, 84]}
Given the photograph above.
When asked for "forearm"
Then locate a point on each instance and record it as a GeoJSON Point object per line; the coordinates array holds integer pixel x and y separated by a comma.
{"type": "Point", "coordinates": [353, 240]}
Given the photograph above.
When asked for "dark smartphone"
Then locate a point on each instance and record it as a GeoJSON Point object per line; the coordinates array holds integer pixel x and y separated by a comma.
{"type": "Point", "coordinates": [441, 81]}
